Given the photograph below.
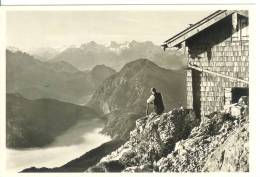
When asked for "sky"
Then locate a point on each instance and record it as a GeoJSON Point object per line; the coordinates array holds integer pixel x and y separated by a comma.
{"type": "Point", "coordinates": [39, 29]}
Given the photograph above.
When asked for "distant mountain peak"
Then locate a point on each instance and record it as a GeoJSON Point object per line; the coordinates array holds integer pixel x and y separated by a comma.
{"type": "Point", "coordinates": [99, 73]}
{"type": "Point", "coordinates": [141, 61]}
{"type": "Point", "coordinates": [138, 64]}
{"type": "Point", "coordinates": [134, 42]}
{"type": "Point", "coordinates": [102, 67]}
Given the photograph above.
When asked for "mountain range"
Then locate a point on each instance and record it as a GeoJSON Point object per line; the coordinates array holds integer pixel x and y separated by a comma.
{"type": "Point", "coordinates": [119, 96]}
{"type": "Point", "coordinates": [115, 55]}
{"type": "Point", "coordinates": [59, 80]}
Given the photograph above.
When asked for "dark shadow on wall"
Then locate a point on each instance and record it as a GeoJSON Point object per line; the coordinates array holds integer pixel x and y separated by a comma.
{"type": "Point", "coordinates": [196, 81]}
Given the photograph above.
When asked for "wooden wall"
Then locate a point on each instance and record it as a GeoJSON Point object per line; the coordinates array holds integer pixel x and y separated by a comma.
{"type": "Point", "coordinates": [221, 49]}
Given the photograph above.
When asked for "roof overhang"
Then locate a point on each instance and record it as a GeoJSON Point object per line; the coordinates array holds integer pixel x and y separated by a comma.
{"type": "Point", "coordinates": [176, 40]}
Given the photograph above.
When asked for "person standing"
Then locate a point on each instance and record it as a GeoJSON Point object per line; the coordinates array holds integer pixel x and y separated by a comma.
{"type": "Point", "coordinates": [157, 101]}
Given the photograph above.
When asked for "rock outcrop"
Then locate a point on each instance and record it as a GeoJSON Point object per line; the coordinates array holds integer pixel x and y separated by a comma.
{"type": "Point", "coordinates": [178, 142]}
{"type": "Point", "coordinates": [154, 137]}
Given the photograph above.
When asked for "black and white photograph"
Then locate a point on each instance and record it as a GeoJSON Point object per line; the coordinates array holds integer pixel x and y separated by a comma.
{"type": "Point", "coordinates": [127, 89]}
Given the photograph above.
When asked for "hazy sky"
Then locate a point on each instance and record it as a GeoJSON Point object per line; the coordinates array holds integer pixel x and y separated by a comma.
{"type": "Point", "coordinates": [34, 29]}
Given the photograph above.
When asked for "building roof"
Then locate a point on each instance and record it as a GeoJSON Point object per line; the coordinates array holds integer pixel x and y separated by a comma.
{"type": "Point", "coordinates": [200, 25]}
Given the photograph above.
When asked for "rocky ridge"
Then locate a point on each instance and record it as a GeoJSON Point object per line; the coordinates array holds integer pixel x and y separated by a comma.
{"type": "Point", "coordinates": [179, 142]}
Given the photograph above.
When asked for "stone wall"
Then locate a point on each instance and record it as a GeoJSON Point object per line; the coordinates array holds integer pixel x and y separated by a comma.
{"type": "Point", "coordinates": [223, 50]}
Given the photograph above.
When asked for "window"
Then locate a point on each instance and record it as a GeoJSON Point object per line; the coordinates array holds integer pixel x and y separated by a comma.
{"type": "Point", "coordinates": [237, 92]}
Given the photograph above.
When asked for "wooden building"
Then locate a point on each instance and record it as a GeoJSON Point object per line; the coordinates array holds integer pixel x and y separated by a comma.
{"type": "Point", "coordinates": [217, 48]}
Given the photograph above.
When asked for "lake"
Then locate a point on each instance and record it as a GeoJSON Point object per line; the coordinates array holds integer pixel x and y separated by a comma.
{"type": "Point", "coordinates": [76, 141]}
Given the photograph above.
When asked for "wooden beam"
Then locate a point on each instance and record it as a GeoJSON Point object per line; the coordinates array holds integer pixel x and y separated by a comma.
{"type": "Point", "coordinates": [217, 74]}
